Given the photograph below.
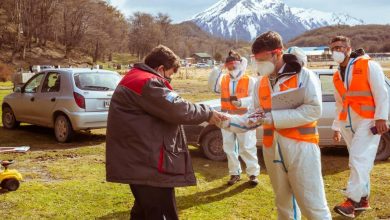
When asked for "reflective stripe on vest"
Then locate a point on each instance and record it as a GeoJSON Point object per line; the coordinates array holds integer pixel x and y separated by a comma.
{"type": "Point", "coordinates": [241, 92]}
{"type": "Point", "coordinates": [359, 96]}
{"type": "Point", "coordinates": [308, 133]}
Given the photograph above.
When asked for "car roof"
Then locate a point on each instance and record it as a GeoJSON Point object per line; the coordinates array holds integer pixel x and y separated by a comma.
{"type": "Point", "coordinates": [78, 70]}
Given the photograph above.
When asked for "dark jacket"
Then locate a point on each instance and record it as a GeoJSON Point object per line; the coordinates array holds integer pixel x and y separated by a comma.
{"type": "Point", "coordinates": [145, 143]}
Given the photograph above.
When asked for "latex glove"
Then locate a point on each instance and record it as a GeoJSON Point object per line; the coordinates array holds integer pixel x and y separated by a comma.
{"type": "Point", "coordinates": [237, 103]}
{"type": "Point", "coordinates": [256, 118]}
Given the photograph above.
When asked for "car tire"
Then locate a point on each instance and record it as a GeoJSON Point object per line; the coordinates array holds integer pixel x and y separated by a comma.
{"type": "Point", "coordinates": [383, 152]}
{"type": "Point", "coordinates": [9, 119]}
{"type": "Point", "coordinates": [10, 184]}
{"type": "Point", "coordinates": [212, 145]}
{"type": "Point", "coordinates": [63, 129]}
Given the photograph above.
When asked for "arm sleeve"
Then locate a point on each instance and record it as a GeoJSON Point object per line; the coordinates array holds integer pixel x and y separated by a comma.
{"type": "Point", "coordinates": [167, 105]}
{"type": "Point", "coordinates": [309, 111]}
{"type": "Point", "coordinates": [214, 80]}
{"type": "Point", "coordinates": [380, 93]}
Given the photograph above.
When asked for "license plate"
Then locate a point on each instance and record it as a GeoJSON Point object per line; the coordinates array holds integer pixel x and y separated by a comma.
{"type": "Point", "coordinates": [107, 103]}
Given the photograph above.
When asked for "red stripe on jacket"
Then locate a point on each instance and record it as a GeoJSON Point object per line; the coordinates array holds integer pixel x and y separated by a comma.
{"type": "Point", "coordinates": [135, 80]}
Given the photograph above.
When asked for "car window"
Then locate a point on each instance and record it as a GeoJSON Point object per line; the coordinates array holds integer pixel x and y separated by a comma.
{"type": "Point", "coordinates": [327, 88]}
{"type": "Point", "coordinates": [96, 81]}
{"type": "Point", "coordinates": [33, 84]}
{"type": "Point", "coordinates": [52, 83]}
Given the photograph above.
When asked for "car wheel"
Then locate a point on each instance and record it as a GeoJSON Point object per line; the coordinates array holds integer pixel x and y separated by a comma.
{"type": "Point", "coordinates": [10, 184]}
{"type": "Point", "coordinates": [212, 145]}
{"type": "Point", "coordinates": [9, 120]}
{"type": "Point", "coordinates": [383, 152]}
{"type": "Point", "coordinates": [63, 129]}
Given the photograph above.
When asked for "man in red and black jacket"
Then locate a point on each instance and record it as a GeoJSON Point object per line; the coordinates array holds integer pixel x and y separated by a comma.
{"type": "Point", "coordinates": [146, 145]}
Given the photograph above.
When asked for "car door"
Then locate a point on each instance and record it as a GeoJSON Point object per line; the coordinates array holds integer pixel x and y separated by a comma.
{"type": "Point", "coordinates": [328, 111]}
{"type": "Point", "coordinates": [47, 98]}
{"type": "Point", "coordinates": [26, 108]}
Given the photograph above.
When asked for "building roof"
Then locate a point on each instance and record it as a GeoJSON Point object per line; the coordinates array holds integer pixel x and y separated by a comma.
{"type": "Point", "coordinates": [314, 51]}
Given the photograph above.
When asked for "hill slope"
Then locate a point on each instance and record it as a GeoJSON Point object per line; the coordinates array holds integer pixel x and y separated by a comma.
{"type": "Point", "coordinates": [373, 38]}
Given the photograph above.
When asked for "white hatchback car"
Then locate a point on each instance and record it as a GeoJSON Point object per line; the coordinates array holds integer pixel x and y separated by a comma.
{"type": "Point", "coordinates": [64, 99]}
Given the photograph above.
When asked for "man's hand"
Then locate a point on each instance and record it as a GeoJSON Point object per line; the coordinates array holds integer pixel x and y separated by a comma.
{"type": "Point", "coordinates": [381, 126]}
{"type": "Point", "coordinates": [217, 118]}
{"type": "Point", "coordinates": [336, 136]}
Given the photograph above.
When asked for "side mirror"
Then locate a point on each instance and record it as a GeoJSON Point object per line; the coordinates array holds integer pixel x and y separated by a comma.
{"type": "Point", "coordinates": [18, 89]}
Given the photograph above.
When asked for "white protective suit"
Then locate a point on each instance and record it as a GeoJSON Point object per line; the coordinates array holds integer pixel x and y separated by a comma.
{"type": "Point", "coordinates": [362, 144]}
{"type": "Point", "coordinates": [294, 166]}
{"type": "Point", "coordinates": [241, 144]}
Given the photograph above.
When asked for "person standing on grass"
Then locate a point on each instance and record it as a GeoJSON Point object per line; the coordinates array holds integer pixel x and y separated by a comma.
{"type": "Point", "coordinates": [361, 118]}
{"type": "Point", "coordinates": [290, 136]}
{"type": "Point", "coordinates": [145, 144]}
{"type": "Point", "coordinates": [236, 87]}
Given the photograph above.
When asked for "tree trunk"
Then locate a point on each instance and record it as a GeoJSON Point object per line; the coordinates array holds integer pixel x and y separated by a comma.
{"type": "Point", "coordinates": [96, 54]}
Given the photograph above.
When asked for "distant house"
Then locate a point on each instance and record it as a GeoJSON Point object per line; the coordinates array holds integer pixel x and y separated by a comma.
{"type": "Point", "coordinates": [321, 53]}
{"type": "Point", "coordinates": [202, 58]}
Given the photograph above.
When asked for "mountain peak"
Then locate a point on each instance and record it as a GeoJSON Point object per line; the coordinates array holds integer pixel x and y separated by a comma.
{"type": "Point", "coordinates": [246, 19]}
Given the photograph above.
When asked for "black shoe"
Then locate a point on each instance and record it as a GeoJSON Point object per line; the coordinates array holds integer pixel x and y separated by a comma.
{"type": "Point", "coordinates": [233, 179]}
{"type": "Point", "coordinates": [253, 180]}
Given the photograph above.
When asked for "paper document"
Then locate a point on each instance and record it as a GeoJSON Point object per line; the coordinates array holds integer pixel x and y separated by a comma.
{"type": "Point", "coordinates": [22, 149]}
{"type": "Point", "coordinates": [290, 99]}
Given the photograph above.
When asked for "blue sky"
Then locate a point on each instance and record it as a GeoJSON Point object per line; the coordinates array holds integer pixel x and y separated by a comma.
{"type": "Point", "coordinates": [371, 11]}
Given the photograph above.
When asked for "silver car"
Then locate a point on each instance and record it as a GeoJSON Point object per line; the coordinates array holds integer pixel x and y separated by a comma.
{"type": "Point", "coordinates": [209, 137]}
{"type": "Point", "coordinates": [67, 100]}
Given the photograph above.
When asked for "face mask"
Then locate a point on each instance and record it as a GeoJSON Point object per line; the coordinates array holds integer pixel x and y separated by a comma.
{"type": "Point", "coordinates": [264, 68]}
{"type": "Point", "coordinates": [338, 57]}
{"type": "Point", "coordinates": [169, 79]}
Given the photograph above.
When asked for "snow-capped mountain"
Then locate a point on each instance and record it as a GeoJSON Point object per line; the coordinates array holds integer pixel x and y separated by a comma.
{"type": "Point", "coordinates": [246, 19]}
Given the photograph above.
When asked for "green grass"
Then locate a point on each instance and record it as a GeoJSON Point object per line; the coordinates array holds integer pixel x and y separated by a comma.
{"type": "Point", "coordinates": [67, 181]}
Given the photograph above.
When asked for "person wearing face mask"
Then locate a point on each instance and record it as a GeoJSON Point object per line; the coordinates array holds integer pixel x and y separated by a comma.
{"type": "Point", "coordinates": [235, 87]}
{"type": "Point", "coordinates": [145, 143]}
{"type": "Point", "coordinates": [360, 112]}
{"type": "Point", "coordinates": [290, 136]}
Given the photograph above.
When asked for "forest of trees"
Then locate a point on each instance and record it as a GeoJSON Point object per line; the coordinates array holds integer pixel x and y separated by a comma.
{"type": "Point", "coordinates": [98, 30]}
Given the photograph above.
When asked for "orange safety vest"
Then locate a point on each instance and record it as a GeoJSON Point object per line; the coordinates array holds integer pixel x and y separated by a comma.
{"type": "Point", "coordinates": [307, 133]}
{"type": "Point", "coordinates": [241, 92]}
{"type": "Point", "coordinates": [359, 95]}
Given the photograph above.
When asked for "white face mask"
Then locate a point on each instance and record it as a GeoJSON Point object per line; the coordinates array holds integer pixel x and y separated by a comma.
{"type": "Point", "coordinates": [338, 57]}
{"type": "Point", "coordinates": [264, 68]}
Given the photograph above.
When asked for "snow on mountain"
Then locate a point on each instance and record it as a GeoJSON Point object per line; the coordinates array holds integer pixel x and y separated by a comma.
{"type": "Point", "coordinates": [246, 19]}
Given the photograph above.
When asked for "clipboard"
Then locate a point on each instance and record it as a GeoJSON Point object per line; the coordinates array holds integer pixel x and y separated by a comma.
{"type": "Point", "coordinates": [289, 99]}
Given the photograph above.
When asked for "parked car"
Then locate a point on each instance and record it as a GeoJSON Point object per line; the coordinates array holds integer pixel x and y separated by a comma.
{"type": "Point", "coordinates": [67, 100]}
{"type": "Point", "coordinates": [202, 65]}
{"type": "Point", "coordinates": [209, 137]}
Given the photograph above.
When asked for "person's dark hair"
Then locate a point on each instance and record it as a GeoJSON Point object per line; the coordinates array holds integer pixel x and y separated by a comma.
{"type": "Point", "coordinates": [232, 56]}
{"type": "Point", "coordinates": [162, 55]}
{"type": "Point", "coordinates": [341, 38]}
{"type": "Point", "coordinates": [267, 41]}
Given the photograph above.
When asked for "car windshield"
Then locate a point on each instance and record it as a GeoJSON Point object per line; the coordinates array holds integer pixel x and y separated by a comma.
{"type": "Point", "coordinates": [96, 81]}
